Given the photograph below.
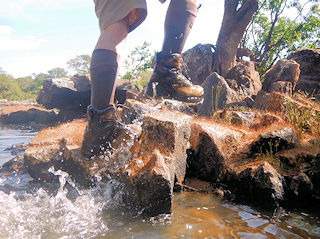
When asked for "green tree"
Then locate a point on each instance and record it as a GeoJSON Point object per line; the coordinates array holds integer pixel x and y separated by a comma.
{"type": "Point", "coordinates": [80, 64]}
{"type": "Point", "coordinates": [57, 72]}
{"type": "Point", "coordinates": [237, 16]}
{"type": "Point", "coordinates": [138, 61]}
{"type": "Point", "coordinates": [9, 88]}
{"type": "Point", "coordinates": [281, 26]}
{"type": "Point", "coordinates": [30, 86]}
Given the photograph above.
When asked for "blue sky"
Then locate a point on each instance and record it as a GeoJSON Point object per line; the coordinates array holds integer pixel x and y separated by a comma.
{"type": "Point", "coordinates": [38, 35]}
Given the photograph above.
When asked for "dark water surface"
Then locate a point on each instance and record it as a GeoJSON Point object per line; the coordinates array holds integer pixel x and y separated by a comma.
{"type": "Point", "coordinates": [29, 210]}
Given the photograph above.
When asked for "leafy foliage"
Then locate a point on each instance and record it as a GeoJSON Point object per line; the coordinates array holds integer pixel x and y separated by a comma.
{"type": "Point", "coordinates": [57, 72]}
{"type": "Point", "coordinates": [281, 26]}
{"type": "Point", "coordinates": [80, 64]}
{"type": "Point", "coordinates": [138, 61]}
{"type": "Point", "coordinates": [9, 88]}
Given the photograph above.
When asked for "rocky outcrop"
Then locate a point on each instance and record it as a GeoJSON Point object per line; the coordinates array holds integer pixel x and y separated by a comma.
{"type": "Point", "coordinates": [57, 147]}
{"type": "Point", "coordinates": [146, 167]}
{"type": "Point", "coordinates": [212, 146]}
{"type": "Point", "coordinates": [244, 79]}
{"type": "Point", "coordinates": [73, 94]}
{"type": "Point", "coordinates": [32, 116]}
{"type": "Point", "coordinates": [217, 95]}
{"type": "Point", "coordinates": [65, 93]}
{"type": "Point", "coordinates": [198, 62]}
{"type": "Point", "coordinates": [242, 84]}
{"type": "Point", "coordinates": [241, 159]}
{"type": "Point", "coordinates": [309, 61]}
{"type": "Point", "coordinates": [27, 115]}
{"type": "Point", "coordinates": [283, 77]}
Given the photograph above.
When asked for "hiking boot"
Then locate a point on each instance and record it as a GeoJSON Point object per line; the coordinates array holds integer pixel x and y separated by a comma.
{"type": "Point", "coordinates": [104, 132]}
{"type": "Point", "coordinates": [167, 81]}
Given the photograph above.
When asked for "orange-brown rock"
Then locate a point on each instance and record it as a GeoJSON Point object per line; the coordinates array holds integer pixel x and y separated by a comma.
{"type": "Point", "coordinates": [169, 146]}
{"type": "Point", "coordinates": [57, 147]}
{"type": "Point", "coordinates": [147, 167]}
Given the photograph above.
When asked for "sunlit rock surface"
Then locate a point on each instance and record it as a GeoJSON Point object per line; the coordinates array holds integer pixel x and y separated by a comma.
{"type": "Point", "coordinates": [240, 160]}
{"type": "Point", "coordinates": [283, 77]}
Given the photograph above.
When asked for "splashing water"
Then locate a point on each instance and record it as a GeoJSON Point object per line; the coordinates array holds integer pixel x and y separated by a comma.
{"type": "Point", "coordinates": [65, 210]}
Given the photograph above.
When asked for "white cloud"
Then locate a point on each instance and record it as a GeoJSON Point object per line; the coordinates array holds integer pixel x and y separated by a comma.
{"type": "Point", "coordinates": [5, 30]}
{"type": "Point", "coordinates": [24, 8]}
{"type": "Point", "coordinates": [11, 42]}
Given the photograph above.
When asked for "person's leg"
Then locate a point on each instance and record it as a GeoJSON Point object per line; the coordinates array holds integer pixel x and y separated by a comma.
{"type": "Point", "coordinates": [167, 81]}
{"type": "Point", "coordinates": [179, 21]}
{"type": "Point", "coordinates": [104, 64]}
{"type": "Point", "coordinates": [103, 130]}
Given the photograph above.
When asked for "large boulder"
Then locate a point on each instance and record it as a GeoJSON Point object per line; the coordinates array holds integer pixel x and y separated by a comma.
{"type": "Point", "coordinates": [73, 94]}
{"type": "Point", "coordinates": [212, 146]}
{"type": "Point", "coordinates": [245, 79]}
{"type": "Point", "coordinates": [198, 62]}
{"type": "Point", "coordinates": [217, 95]}
{"type": "Point", "coordinates": [57, 147]}
{"type": "Point", "coordinates": [309, 61]}
{"type": "Point", "coordinates": [65, 93]}
{"type": "Point", "coordinates": [283, 77]}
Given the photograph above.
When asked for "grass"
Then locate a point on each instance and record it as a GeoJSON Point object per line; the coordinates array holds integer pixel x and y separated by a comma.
{"type": "Point", "coordinates": [270, 155]}
{"type": "Point", "coordinates": [306, 120]}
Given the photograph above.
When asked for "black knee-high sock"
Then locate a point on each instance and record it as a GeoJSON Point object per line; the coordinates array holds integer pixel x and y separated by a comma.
{"type": "Point", "coordinates": [179, 21]}
{"type": "Point", "coordinates": [103, 71]}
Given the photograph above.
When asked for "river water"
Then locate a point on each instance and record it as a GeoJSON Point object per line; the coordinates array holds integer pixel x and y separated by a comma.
{"type": "Point", "coordinates": [63, 210]}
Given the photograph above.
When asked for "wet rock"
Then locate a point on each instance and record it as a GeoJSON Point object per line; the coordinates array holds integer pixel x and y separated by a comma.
{"type": "Point", "coordinates": [57, 147]}
{"type": "Point", "coordinates": [269, 185]}
{"type": "Point", "coordinates": [146, 166]}
{"type": "Point", "coordinates": [17, 148]}
{"type": "Point", "coordinates": [197, 185]}
{"type": "Point", "coordinates": [309, 61]}
{"type": "Point", "coordinates": [13, 166]}
{"type": "Point", "coordinates": [198, 62]}
{"type": "Point", "coordinates": [284, 71]}
{"type": "Point", "coordinates": [134, 111]}
{"type": "Point", "coordinates": [125, 90]}
{"type": "Point", "coordinates": [174, 105]}
{"type": "Point", "coordinates": [154, 185]}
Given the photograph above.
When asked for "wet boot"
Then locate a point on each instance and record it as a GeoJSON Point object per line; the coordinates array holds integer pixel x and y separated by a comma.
{"type": "Point", "coordinates": [167, 80]}
{"type": "Point", "coordinates": [104, 132]}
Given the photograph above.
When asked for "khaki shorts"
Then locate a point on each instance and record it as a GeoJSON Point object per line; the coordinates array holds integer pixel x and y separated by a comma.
{"type": "Point", "coordinates": [111, 11]}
